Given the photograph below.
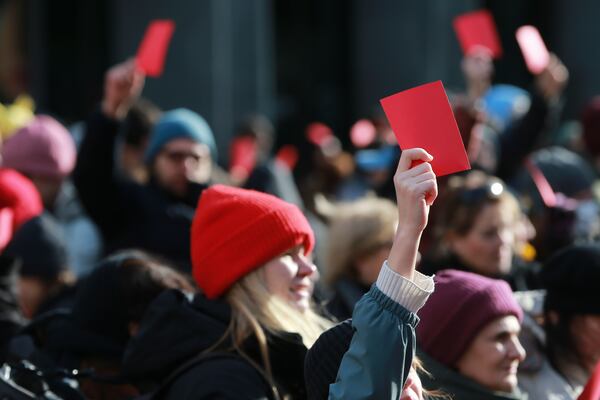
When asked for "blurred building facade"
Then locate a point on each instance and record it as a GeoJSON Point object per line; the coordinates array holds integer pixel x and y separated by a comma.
{"type": "Point", "coordinates": [295, 61]}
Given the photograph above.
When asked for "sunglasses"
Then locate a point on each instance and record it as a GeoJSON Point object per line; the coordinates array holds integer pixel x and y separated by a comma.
{"type": "Point", "coordinates": [489, 191]}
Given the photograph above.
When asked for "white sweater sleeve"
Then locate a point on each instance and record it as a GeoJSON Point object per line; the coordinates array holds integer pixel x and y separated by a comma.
{"type": "Point", "coordinates": [412, 295]}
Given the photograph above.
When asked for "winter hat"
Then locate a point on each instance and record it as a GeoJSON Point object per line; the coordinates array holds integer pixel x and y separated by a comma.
{"type": "Point", "coordinates": [324, 358]}
{"type": "Point", "coordinates": [572, 280]}
{"type": "Point", "coordinates": [236, 231]}
{"type": "Point", "coordinates": [176, 124]}
{"type": "Point", "coordinates": [18, 197]}
{"type": "Point", "coordinates": [462, 304]}
{"type": "Point", "coordinates": [567, 172]}
{"type": "Point", "coordinates": [41, 247]}
{"type": "Point", "coordinates": [43, 147]}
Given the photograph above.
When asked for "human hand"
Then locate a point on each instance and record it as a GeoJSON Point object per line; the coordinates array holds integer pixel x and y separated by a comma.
{"type": "Point", "coordinates": [553, 79]}
{"type": "Point", "coordinates": [416, 189]}
{"type": "Point", "coordinates": [123, 84]}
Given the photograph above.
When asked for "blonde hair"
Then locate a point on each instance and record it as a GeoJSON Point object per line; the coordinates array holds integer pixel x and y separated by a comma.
{"type": "Point", "coordinates": [256, 312]}
{"type": "Point", "coordinates": [356, 229]}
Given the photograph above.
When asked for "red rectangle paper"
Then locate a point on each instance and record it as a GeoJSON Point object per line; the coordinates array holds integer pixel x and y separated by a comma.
{"type": "Point", "coordinates": [477, 30]}
{"type": "Point", "coordinates": [152, 52]}
{"type": "Point", "coordinates": [592, 388]}
{"type": "Point", "coordinates": [533, 48]}
{"type": "Point", "coordinates": [422, 117]}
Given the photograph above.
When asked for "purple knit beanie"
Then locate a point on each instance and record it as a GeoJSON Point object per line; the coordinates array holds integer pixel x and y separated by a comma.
{"type": "Point", "coordinates": [42, 147]}
{"type": "Point", "coordinates": [462, 304]}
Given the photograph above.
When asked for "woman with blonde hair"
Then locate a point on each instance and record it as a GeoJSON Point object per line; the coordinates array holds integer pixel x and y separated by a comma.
{"type": "Point", "coordinates": [360, 236]}
{"type": "Point", "coordinates": [247, 335]}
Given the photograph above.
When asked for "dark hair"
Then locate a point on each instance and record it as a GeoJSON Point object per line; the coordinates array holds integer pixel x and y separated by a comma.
{"type": "Point", "coordinates": [142, 278]}
{"type": "Point", "coordinates": [139, 122]}
{"type": "Point", "coordinates": [559, 339]}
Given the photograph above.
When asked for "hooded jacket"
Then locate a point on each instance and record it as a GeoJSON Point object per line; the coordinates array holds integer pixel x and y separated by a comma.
{"type": "Point", "coordinates": [187, 327]}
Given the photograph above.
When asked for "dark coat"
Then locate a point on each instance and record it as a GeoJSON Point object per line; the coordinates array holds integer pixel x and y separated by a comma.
{"type": "Point", "coordinates": [450, 382]}
{"type": "Point", "coordinates": [175, 329]}
{"type": "Point", "coordinates": [128, 214]}
{"type": "Point", "coordinates": [11, 319]}
{"type": "Point", "coordinates": [345, 296]}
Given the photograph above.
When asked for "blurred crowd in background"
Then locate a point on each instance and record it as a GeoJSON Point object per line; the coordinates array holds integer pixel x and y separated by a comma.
{"type": "Point", "coordinates": [95, 220]}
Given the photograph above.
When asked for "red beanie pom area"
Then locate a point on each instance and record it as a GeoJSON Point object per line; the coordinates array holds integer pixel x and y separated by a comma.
{"type": "Point", "coordinates": [236, 231]}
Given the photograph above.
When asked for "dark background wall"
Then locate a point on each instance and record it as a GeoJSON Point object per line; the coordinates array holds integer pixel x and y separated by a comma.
{"type": "Point", "coordinates": [295, 61]}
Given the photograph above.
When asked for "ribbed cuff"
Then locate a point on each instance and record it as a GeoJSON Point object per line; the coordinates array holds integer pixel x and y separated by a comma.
{"type": "Point", "coordinates": [412, 295]}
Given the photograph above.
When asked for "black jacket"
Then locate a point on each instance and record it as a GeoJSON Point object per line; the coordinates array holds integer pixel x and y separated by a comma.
{"type": "Point", "coordinates": [346, 294]}
{"type": "Point", "coordinates": [129, 214]}
{"type": "Point", "coordinates": [175, 329]}
{"type": "Point", "coordinates": [11, 319]}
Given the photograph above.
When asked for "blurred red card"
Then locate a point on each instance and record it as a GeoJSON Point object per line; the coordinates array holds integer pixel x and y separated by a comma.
{"type": "Point", "coordinates": [6, 226]}
{"type": "Point", "coordinates": [243, 155]}
{"type": "Point", "coordinates": [592, 388]}
{"type": "Point", "coordinates": [533, 48]}
{"type": "Point", "coordinates": [152, 52]}
{"type": "Point", "coordinates": [288, 156]}
{"type": "Point", "coordinates": [422, 117]}
{"type": "Point", "coordinates": [477, 30]}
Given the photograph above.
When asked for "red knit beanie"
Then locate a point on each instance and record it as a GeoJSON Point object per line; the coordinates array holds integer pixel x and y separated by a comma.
{"type": "Point", "coordinates": [236, 231]}
{"type": "Point", "coordinates": [19, 202]}
{"type": "Point", "coordinates": [459, 308]}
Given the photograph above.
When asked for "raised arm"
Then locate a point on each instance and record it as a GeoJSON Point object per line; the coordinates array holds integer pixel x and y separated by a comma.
{"type": "Point", "coordinates": [378, 361]}
{"type": "Point", "coordinates": [95, 174]}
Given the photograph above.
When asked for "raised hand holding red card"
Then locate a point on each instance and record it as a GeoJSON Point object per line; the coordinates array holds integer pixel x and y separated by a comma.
{"type": "Point", "coordinates": [152, 52]}
{"type": "Point", "coordinates": [476, 31]}
{"type": "Point", "coordinates": [421, 117]}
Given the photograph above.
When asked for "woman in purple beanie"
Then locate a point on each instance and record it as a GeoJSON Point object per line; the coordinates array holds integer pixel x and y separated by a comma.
{"type": "Point", "coordinates": [469, 337]}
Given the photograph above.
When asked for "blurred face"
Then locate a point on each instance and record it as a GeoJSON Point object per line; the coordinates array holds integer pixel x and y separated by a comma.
{"type": "Point", "coordinates": [291, 277]}
{"type": "Point", "coordinates": [413, 390]}
{"type": "Point", "coordinates": [493, 357]}
{"type": "Point", "coordinates": [48, 188]}
{"type": "Point", "coordinates": [585, 330]}
{"type": "Point", "coordinates": [181, 161]}
{"type": "Point", "coordinates": [368, 266]}
{"type": "Point", "coordinates": [488, 247]}
{"type": "Point", "coordinates": [32, 293]}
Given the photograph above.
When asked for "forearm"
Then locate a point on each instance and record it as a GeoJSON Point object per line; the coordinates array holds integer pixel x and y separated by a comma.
{"type": "Point", "coordinates": [403, 255]}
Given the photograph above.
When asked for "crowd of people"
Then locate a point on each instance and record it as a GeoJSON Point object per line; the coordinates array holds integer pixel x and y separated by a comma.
{"type": "Point", "coordinates": [135, 264]}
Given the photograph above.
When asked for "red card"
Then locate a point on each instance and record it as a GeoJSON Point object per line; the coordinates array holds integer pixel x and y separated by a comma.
{"type": "Point", "coordinates": [243, 155]}
{"type": "Point", "coordinates": [319, 134]}
{"type": "Point", "coordinates": [533, 48]}
{"type": "Point", "coordinates": [422, 117]}
{"type": "Point", "coordinates": [6, 226]}
{"type": "Point", "coordinates": [152, 52]}
{"type": "Point", "coordinates": [592, 388]}
{"type": "Point", "coordinates": [476, 31]}
{"type": "Point", "coordinates": [288, 156]}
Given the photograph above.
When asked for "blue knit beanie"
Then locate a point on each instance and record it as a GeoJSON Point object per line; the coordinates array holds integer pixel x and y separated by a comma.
{"type": "Point", "coordinates": [176, 124]}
